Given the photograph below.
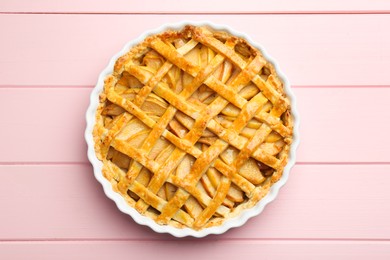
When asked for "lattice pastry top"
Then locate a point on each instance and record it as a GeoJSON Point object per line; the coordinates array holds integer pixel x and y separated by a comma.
{"type": "Point", "coordinates": [193, 127]}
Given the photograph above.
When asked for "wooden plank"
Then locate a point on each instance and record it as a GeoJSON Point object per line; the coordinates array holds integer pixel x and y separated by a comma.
{"type": "Point", "coordinates": [192, 249]}
{"type": "Point", "coordinates": [177, 6]}
{"type": "Point", "coordinates": [48, 123]}
{"type": "Point", "coordinates": [65, 202]}
{"type": "Point", "coordinates": [337, 124]}
{"type": "Point", "coordinates": [317, 50]}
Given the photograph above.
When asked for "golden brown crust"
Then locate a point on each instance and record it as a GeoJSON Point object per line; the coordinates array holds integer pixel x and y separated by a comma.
{"type": "Point", "coordinates": [193, 127]}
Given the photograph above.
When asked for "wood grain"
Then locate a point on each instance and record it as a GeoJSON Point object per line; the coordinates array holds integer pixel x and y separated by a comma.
{"type": "Point", "coordinates": [65, 202]}
{"type": "Point", "coordinates": [177, 6]}
{"type": "Point", "coordinates": [312, 50]}
{"type": "Point", "coordinates": [337, 124]}
{"type": "Point", "coordinates": [218, 249]}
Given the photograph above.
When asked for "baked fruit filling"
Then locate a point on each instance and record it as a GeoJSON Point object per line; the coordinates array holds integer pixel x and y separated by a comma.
{"type": "Point", "coordinates": [193, 127]}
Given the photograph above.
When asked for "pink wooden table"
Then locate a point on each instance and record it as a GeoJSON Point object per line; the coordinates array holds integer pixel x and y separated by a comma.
{"type": "Point", "coordinates": [336, 204]}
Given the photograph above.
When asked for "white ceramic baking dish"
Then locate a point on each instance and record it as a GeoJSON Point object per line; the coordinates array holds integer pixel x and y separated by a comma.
{"type": "Point", "coordinates": [118, 199]}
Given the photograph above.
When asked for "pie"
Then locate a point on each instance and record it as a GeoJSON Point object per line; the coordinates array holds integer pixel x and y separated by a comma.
{"type": "Point", "coordinates": [193, 127]}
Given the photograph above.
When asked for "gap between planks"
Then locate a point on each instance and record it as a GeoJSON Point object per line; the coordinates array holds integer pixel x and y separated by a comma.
{"type": "Point", "coordinates": [88, 163]}
{"type": "Point", "coordinates": [188, 239]}
{"type": "Point", "coordinates": [92, 86]}
{"type": "Point", "coordinates": [352, 12]}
